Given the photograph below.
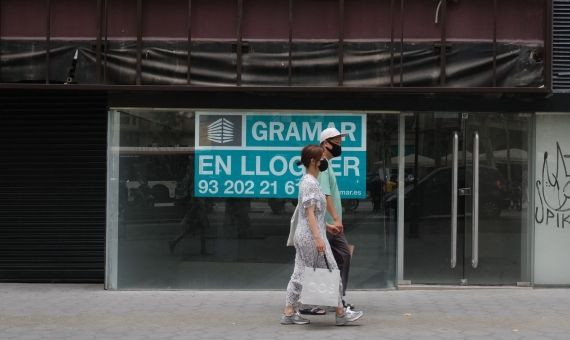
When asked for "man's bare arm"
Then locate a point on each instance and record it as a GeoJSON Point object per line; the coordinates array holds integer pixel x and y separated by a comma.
{"type": "Point", "coordinates": [332, 211]}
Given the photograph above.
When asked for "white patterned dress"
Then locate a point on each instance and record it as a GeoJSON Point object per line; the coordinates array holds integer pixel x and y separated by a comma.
{"type": "Point", "coordinates": [310, 194]}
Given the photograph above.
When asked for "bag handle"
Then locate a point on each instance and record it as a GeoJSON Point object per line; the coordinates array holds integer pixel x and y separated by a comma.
{"type": "Point", "coordinates": [326, 262]}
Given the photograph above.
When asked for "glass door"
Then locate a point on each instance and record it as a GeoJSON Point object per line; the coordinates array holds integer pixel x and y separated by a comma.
{"type": "Point", "coordinates": [464, 203]}
{"type": "Point", "coordinates": [496, 209]}
{"type": "Point", "coordinates": [432, 253]}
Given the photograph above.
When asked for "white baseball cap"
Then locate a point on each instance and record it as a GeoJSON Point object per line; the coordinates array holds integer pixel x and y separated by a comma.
{"type": "Point", "coordinates": [329, 133]}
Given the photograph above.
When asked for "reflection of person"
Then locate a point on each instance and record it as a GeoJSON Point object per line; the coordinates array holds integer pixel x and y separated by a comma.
{"type": "Point", "coordinates": [331, 140]}
{"type": "Point", "coordinates": [142, 195]}
{"type": "Point", "coordinates": [310, 239]}
{"type": "Point", "coordinates": [123, 198]}
{"type": "Point", "coordinates": [196, 215]}
{"type": "Point", "coordinates": [196, 218]}
{"type": "Point", "coordinates": [516, 195]}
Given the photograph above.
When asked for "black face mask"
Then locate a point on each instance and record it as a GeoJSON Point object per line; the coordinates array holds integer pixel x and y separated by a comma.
{"type": "Point", "coordinates": [324, 165]}
{"type": "Point", "coordinates": [336, 150]}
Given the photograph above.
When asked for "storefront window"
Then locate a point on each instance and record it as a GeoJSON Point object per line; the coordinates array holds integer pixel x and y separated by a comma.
{"type": "Point", "coordinates": [203, 200]}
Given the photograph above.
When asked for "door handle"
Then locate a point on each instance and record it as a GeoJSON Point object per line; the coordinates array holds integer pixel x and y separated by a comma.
{"type": "Point", "coordinates": [454, 170]}
{"type": "Point", "coordinates": [475, 212]}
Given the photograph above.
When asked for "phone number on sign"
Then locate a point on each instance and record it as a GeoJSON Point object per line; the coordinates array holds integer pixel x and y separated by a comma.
{"type": "Point", "coordinates": [239, 187]}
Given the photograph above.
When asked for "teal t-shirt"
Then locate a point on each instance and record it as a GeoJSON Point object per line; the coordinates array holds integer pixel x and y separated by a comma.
{"type": "Point", "coordinates": [327, 180]}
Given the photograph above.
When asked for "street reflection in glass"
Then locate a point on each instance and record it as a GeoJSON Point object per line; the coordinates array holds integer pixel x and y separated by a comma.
{"type": "Point", "coordinates": [170, 238]}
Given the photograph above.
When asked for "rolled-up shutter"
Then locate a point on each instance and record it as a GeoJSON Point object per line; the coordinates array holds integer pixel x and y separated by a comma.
{"type": "Point", "coordinates": [52, 186]}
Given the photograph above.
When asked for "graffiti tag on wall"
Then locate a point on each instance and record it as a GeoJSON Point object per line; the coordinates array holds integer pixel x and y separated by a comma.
{"type": "Point", "coordinates": [553, 191]}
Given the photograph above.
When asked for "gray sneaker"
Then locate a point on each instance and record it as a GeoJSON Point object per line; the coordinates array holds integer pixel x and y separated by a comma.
{"type": "Point", "coordinates": [349, 316]}
{"type": "Point", "coordinates": [295, 319]}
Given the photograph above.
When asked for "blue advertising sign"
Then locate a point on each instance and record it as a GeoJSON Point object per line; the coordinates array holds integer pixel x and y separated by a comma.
{"type": "Point", "coordinates": [253, 155]}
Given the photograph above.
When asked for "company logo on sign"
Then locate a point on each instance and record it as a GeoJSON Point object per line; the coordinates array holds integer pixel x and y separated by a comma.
{"type": "Point", "coordinates": [221, 131]}
{"type": "Point", "coordinates": [216, 130]}
{"type": "Point", "coordinates": [322, 288]}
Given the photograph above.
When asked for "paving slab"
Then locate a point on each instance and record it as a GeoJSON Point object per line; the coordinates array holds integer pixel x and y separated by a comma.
{"type": "Point", "coordinates": [75, 311]}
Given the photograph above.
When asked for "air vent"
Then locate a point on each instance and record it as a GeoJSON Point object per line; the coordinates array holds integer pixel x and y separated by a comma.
{"type": "Point", "coordinates": [561, 45]}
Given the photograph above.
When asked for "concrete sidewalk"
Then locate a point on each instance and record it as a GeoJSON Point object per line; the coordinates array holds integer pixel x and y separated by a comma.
{"type": "Point", "coordinates": [48, 311]}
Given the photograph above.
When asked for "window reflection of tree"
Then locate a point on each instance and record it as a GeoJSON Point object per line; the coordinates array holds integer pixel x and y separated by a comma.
{"type": "Point", "coordinates": [237, 216]}
{"type": "Point", "coordinates": [380, 134]}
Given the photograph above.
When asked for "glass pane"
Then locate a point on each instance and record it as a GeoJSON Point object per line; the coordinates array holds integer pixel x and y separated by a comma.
{"type": "Point", "coordinates": [503, 172]}
{"type": "Point", "coordinates": [427, 200]}
{"type": "Point", "coordinates": [174, 232]}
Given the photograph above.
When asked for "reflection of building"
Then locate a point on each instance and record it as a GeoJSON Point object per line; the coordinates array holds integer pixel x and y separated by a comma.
{"type": "Point", "coordinates": [472, 73]}
{"type": "Point", "coordinates": [155, 131]}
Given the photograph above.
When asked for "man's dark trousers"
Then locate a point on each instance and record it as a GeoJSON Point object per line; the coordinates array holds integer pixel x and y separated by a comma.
{"type": "Point", "coordinates": [341, 253]}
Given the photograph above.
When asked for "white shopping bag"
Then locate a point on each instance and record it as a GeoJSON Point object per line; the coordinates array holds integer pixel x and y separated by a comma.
{"type": "Point", "coordinates": [320, 286]}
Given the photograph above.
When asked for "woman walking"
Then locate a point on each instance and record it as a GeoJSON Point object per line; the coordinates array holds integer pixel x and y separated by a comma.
{"type": "Point", "coordinates": [310, 240]}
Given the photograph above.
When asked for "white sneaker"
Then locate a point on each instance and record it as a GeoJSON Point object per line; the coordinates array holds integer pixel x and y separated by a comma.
{"type": "Point", "coordinates": [295, 319]}
{"type": "Point", "coordinates": [349, 316]}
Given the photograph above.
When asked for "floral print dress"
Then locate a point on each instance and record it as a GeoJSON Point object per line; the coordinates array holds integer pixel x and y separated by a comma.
{"type": "Point", "coordinates": [310, 194]}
